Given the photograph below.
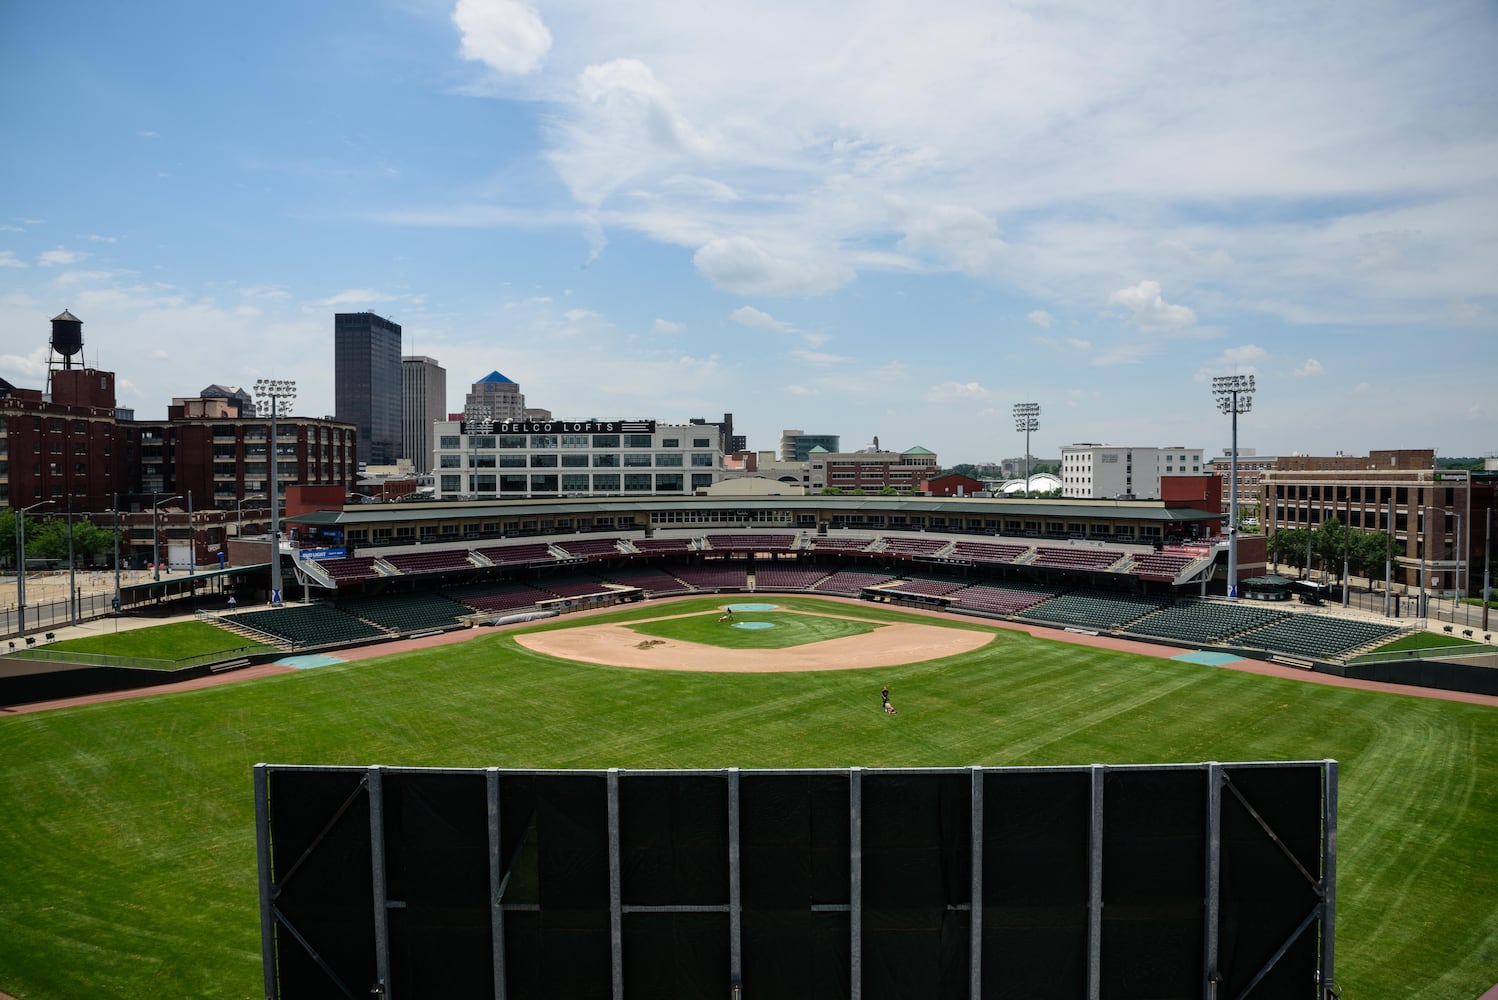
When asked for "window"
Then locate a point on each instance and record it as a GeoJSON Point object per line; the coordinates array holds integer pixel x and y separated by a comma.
{"type": "Point", "coordinates": [637, 441]}
{"type": "Point", "coordinates": [668, 482]}
{"type": "Point", "coordinates": [573, 482]}
{"type": "Point", "coordinates": [606, 481]}
{"type": "Point", "coordinates": [670, 442]}
{"type": "Point", "coordinates": [701, 460]}
{"type": "Point", "coordinates": [450, 484]}
{"type": "Point", "coordinates": [702, 442]}
{"type": "Point", "coordinates": [605, 440]}
{"type": "Point", "coordinates": [482, 461]}
{"type": "Point", "coordinates": [512, 440]}
{"type": "Point", "coordinates": [668, 460]}
{"type": "Point", "coordinates": [574, 461]}
{"type": "Point", "coordinates": [450, 462]}
{"type": "Point", "coordinates": [483, 483]}
{"type": "Point", "coordinates": [544, 484]}
{"type": "Point", "coordinates": [543, 461]}
{"type": "Point", "coordinates": [634, 460]}
{"type": "Point", "coordinates": [637, 482]}
{"type": "Point", "coordinates": [512, 483]}
{"type": "Point", "coordinates": [574, 441]}
{"type": "Point", "coordinates": [543, 440]}
{"type": "Point", "coordinates": [701, 479]}
{"type": "Point", "coordinates": [605, 461]}
{"type": "Point", "coordinates": [512, 461]}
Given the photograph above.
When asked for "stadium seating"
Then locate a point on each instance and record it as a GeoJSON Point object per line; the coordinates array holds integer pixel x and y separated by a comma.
{"type": "Point", "coordinates": [851, 581]}
{"type": "Point", "coordinates": [1008, 598]}
{"type": "Point", "coordinates": [725, 575]}
{"type": "Point", "coordinates": [924, 587]}
{"type": "Point", "coordinates": [575, 586]}
{"type": "Point", "coordinates": [350, 570]}
{"type": "Point", "coordinates": [1161, 566]}
{"type": "Point", "coordinates": [751, 543]}
{"type": "Point", "coordinates": [648, 579]}
{"type": "Point", "coordinates": [787, 577]}
{"type": "Point", "coordinates": [591, 548]}
{"type": "Point", "coordinates": [1205, 622]}
{"type": "Point", "coordinates": [1093, 609]}
{"type": "Point", "coordinates": [512, 555]}
{"type": "Point", "coordinates": [498, 596]}
{"type": "Point", "coordinates": [1096, 560]}
{"type": "Point", "coordinates": [405, 612]}
{"type": "Point", "coordinates": [309, 625]}
{"type": "Point", "coordinates": [1316, 635]}
{"type": "Point", "coordinates": [447, 561]}
{"type": "Point", "coordinates": [987, 552]}
{"type": "Point", "coordinates": [900, 545]}
{"type": "Point", "coordinates": [840, 543]}
{"type": "Point", "coordinates": [656, 546]}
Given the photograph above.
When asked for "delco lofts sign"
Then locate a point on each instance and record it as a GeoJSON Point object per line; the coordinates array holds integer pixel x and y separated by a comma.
{"type": "Point", "coordinates": [575, 427]}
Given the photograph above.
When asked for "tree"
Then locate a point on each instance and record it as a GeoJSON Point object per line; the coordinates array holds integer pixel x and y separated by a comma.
{"type": "Point", "coordinates": [965, 469]}
{"type": "Point", "coordinates": [832, 491]}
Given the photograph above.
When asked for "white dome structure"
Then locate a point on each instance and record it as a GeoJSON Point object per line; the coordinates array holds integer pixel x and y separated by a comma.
{"type": "Point", "coordinates": [1040, 482]}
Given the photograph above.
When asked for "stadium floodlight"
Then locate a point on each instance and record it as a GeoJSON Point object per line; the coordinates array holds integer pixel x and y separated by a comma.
{"type": "Point", "coordinates": [1235, 395]}
{"type": "Point", "coordinates": [1027, 419]}
{"type": "Point", "coordinates": [21, 561]}
{"type": "Point", "coordinates": [478, 419]}
{"type": "Point", "coordinates": [282, 393]}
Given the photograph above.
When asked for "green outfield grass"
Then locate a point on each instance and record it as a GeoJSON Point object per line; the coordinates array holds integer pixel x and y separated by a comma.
{"type": "Point", "coordinates": [177, 641]}
{"type": "Point", "coordinates": [1426, 640]}
{"type": "Point", "coordinates": [127, 834]}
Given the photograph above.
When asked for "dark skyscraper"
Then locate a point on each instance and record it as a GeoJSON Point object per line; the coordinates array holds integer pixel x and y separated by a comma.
{"type": "Point", "coordinates": [367, 382]}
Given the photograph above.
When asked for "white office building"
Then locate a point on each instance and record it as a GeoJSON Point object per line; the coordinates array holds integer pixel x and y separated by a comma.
{"type": "Point", "coordinates": [1106, 472]}
{"type": "Point", "coordinates": [513, 460]}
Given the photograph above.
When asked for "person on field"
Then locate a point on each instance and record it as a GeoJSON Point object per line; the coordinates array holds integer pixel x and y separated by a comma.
{"type": "Point", "coordinates": [884, 697]}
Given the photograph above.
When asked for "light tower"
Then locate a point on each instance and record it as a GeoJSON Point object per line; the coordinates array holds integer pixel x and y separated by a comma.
{"type": "Point", "coordinates": [281, 393]}
{"type": "Point", "coordinates": [1235, 395]}
{"type": "Point", "coordinates": [1027, 419]}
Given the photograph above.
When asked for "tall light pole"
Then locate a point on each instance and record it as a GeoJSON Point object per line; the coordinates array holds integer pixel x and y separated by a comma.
{"type": "Point", "coordinates": [1235, 395]}
{"type": "Point", "coordinates": [72, 572]}
{"type": "Point", "coordinates": [282, 393]}
{"type": "Point", "coordinates": [1027, 419]}
{"type": "Point", "coordinates": [21, 560]}
{"type": "Point", "coordinates": [1421, 542]}
{"type": "Point", "coordinates": [116, 561]}
{"type": "Point", "coordinates": [1487, 551]}
{"type": "Point", "coordinates": [156, 535]}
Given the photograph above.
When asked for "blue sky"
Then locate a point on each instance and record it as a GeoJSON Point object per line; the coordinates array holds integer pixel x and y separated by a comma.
{"type": "Point", "coordinates": [885, 219]}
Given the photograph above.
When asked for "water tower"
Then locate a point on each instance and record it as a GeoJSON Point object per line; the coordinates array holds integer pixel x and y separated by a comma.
{"type": "Point", "coordinates": [67, 339]}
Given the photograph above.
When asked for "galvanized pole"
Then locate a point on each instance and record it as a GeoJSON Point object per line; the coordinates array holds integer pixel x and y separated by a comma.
{"type": "Point", "coordinates": [1389, 556]}
{"type": "Point", "coordinates": [1487, 554]}
{"type": "Point", "coordinates": [1233, 509]}
{"type": "Point", "coordinates": [1346, 542]}
{"type": "Point", "coordinates": [116, 553]}
{"type": "Point", "coordinates": [72, 568]}
{"type": "Point", "coordinates": [192, 555]}
{"type": "Point", "coordinates": [1420, 540]}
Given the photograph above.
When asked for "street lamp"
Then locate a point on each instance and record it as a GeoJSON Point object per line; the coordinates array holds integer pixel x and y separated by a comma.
{"type": "Point", "coordinates": [282, 393]}
{"type": "Point", "coordinates": [21, 560]}
{"type": "Point", "coordinates": [239, 508]}
{"type": "Point", "coordinates": [156, 535]}
{"type": "Point", "coordinates": [1235, 395]}
{"type": "Point", "coordinates": [1027, 419]}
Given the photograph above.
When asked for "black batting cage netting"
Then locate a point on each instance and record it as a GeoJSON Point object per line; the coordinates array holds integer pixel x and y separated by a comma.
{"type": "Point", "coordinates": [1129, 882]}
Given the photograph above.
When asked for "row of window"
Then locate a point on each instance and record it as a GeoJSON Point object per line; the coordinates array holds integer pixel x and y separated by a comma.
{"type": "Point", "coordinates": [596, 460]}
{"type": "Point", "coordinates": [571, 442]}
{"type": "Point", "coordinates": [632, 482]}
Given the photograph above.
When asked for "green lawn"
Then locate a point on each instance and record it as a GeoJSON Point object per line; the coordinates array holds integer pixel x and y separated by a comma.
{"type": "Point", "coordinates": [128, 835]}
{"type": "Point", "coordinates": [177, 641]}
{"type": "Point", "coordinates": [1425, 640]}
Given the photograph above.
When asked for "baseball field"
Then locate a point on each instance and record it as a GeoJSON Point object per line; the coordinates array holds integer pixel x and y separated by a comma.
{"type": "Point", "coordinates": [127, 828]}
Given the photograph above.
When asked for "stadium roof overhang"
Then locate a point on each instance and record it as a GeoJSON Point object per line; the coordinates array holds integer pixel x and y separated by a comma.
{"type": "Point", "coordinates": [409, 513]}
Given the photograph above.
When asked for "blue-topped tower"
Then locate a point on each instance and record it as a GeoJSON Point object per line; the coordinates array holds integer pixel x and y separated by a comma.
{"type": "Point", "coordinates": [499, 396]}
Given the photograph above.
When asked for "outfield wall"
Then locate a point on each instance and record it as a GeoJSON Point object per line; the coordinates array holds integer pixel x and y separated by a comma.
{"type": "Point", "coordinates": [1186, 880]}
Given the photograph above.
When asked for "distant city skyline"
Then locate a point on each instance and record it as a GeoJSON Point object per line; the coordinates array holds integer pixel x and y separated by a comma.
{"type": "Point", "coordinates": [888, 221]}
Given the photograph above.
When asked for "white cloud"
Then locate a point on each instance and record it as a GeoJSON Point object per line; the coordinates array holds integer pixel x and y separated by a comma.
{"type": "Point", "coordinates": [668, 327]}
{"type": "Point", "coordinates": [8, 259]}
{"type": "Point", "coordinates": [148, 134]}
{"type": "Point", "coordinates": [355, 297]}
{"type": "Point", "coordinates": [577, 315]}
{"type": "Point", "coordinates": [1149, 308]}
{"type": "Point", "coordinates": [1233, 361]}
{"type": "Point", "coordinates": [7, 228]}
{"type": "Point", "coordinates": [740, 264]}
{"type": "Point", "coordinates": [96, 238]}
{"type": "Point", "coordinates": [750, 316]}
{"type": "Point", "coordinates": [264, 292]}
{"type": "Point", "coordinates": [948, 392]}
{"type": "Point", "coordinates": [506, 35]}
{"type": "Point", "coordinates": [799, 390]}
{"type": "Point", "coordinates": [61, 256]}
{"type": "Point", "coordinates": [819, 359]}
{"type": "Point", "coordinates": [1309, 367]}
{"type": "Point", "coordinates": [1040, 318]}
